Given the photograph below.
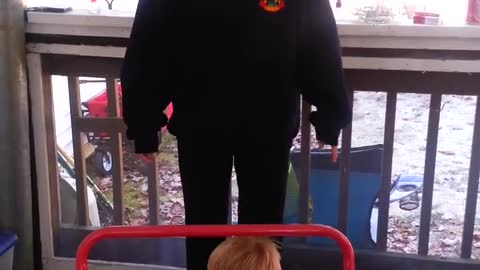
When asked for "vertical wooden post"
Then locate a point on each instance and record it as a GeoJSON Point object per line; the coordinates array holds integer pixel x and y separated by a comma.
{"type": "Point", "coordinates": [472, 190]}
{"type": "Point", "coordinates": [384, 196]}
{"type": "Point", "coordinates": [345, 168]}
{"type": "Point", "coordinates": [78, 155]}
{"type": "Point", "coordinates": [429, 175]}
{"type": "Point", "coordinates": [304, 200]}
{"type": "Point", "coordinates": [153, 191]}
{"type": "Point", "coordinates": [117, 153]}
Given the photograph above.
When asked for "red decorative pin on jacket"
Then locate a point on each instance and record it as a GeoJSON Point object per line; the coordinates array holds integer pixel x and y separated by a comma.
{"type": "Point", "coordinates": [272, 5]}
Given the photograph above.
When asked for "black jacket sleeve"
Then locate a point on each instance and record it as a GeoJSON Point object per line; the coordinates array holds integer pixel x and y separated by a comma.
{"type": "Point", "coordinates": [319, 70]}
{"type": "Point", "coordinates": [146, 74]}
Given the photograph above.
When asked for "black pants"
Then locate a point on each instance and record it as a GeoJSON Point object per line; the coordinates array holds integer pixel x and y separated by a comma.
{"type": "Point", "coordinates": [206, 168]}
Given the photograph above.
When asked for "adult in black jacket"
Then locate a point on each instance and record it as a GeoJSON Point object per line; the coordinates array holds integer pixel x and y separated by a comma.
{"type": "Point", "coordinates": [234, 71]}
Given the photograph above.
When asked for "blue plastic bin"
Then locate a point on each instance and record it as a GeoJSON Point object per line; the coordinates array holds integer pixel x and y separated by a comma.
{"type": "Point", "coordinates": [7, 244]}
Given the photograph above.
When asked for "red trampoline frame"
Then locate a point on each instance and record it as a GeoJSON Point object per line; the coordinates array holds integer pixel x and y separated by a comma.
{"type": "Point", "coordinates": [215, 231]}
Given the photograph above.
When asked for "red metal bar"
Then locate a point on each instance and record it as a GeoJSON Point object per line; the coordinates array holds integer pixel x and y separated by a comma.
{"type": "Point", "coordinates": [215, 231]}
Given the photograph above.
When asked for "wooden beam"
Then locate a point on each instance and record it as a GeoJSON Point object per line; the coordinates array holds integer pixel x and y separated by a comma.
{"type": "Point", "coordinates": [88, 66]}
{"type": "Point", "coordinates": [304, 198]}
{"type": "Point", "coordinates": [99, 124]}
{"type": "Point", "coordinates": [171, 252]}
{"type": "Point", "coordinates": [78, 155]}
{"type": "Point", "coordinates": [76, 50]}
{"type": "Point", "coordinates": [113, 101]}
{"type": "Point", "coordinates": [429, 174]}
{"type": "Point", "coordinates": [384, 195]}
{"type": "Point", "coordinates": [51, 141]}
{"type": "Point", "coordinates": [113, 109]}
{"type": "Point", "coordinates": [411, 53]}
{"type": "Point", "coordinates": [304, 257]}
{"type": "Point", "coordinates": [345, 168]}
{"type": "Point", "coordinates": [69, 39]}
{"type": "Point", "coordinates": [410, 64]}
{"type": "Point", "coordinates": [43, 129]}
{"type": "Point", "coordinates": [472, 190]}
{"type": "Point", "coordinates": [413, 81]}
{"type": "Point", "coordinates": [153, 191]}
{"type": "Point", "coordinates": [67, 264]}
{"type": "Point", "coordinates": [152, 251]}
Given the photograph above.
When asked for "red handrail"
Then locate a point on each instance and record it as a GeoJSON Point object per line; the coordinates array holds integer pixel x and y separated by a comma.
{"type": "Point", "coordinates": [215, 231]}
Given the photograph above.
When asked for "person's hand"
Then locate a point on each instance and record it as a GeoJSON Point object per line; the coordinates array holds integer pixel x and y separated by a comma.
{"type": "Point", "coordinates": [334, 151]}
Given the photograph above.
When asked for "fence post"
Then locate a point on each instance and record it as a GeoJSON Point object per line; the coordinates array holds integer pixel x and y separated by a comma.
{"type": "Point", "coordinates": [15, 182]}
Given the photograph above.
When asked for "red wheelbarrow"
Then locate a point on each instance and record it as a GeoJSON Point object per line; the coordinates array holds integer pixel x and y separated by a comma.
{"type": "Point", "coordinates": [96, 107]}
{"type": "Point", "coordinates": [215, 231]}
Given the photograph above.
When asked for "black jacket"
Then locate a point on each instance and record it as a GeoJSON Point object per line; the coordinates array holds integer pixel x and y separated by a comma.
{"type": "Point", "coordinates": [232, 69]}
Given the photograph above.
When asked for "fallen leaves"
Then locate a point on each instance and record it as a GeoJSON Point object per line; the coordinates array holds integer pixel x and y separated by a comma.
{"type": "Point", "coordinates": [450, 242]}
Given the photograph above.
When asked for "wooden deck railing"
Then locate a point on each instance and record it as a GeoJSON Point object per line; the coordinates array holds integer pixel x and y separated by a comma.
{"type": "Point", "coordinates": [420, 82]}
{"type": "Point", "coordinates": [113, 125]}
{"type": "Point", "coordinates": [393, 59]}
{"type": "Point", "coordinates": [391, 82]}
{"type": "Point", "coordinates": [75, 66]}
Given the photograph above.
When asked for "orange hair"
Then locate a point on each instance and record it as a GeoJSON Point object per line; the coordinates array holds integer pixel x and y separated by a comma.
{"type": "Point", "coordinates": [240, 253]}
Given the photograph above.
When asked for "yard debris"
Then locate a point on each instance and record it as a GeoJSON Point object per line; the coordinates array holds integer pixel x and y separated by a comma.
{"type": "Point", "coordinates": [450, 242]}
{"type": "Point", "coordinates": [144, 188]}
{"type": "Point", "coordinates": [135, 177]}
{"type": "Point", "coordinates": [105, 183]}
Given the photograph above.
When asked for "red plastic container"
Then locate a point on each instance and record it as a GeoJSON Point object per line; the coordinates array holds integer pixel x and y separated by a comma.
{"type": "Point", "coordinates": [215, 231]}
{"type": "Point", "coordinates": [97, 107]}
{"type": "Point", "coordinates": [473, 12]}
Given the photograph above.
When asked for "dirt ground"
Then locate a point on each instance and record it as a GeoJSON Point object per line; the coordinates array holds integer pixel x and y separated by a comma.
{"type": "Point", "coordinates": [451, 176]}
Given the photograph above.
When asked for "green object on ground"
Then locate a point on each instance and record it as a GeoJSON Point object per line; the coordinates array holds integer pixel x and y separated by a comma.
{"type": "Point", "coordinates": [292, 198]}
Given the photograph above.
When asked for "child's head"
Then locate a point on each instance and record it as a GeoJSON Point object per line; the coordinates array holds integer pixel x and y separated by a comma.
{"type": "Point", "coordinates": [240, 253]}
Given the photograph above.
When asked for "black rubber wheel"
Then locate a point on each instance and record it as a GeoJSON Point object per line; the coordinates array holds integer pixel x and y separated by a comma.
{"type": "Point", "coordinates": [104, 162]}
